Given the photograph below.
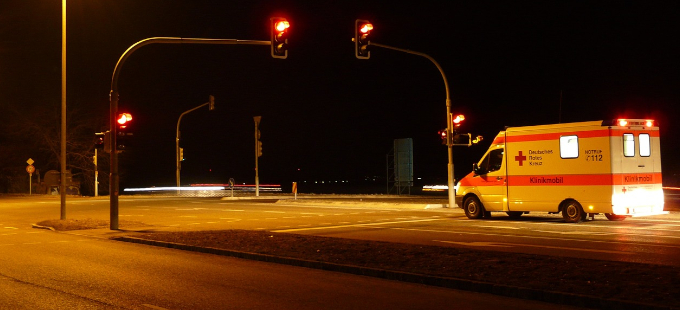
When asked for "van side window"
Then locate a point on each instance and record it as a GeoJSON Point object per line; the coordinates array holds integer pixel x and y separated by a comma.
{"type": "Point", "coordinates": [569, 146]}
{"type": "Point", "coordinates": [645, 148]}
{"type": "Point", "coordinates": [628, 145]}
{"type": "Point", "coordinates": [492, 162]}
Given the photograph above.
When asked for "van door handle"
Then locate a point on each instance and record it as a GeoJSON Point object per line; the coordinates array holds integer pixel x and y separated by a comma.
{"type": "Point", "coordinates": [499, 178]}
{"type": "Point", "coordinates": [641, 166]}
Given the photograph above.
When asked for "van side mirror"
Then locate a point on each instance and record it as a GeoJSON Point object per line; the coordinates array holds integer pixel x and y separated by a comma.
{"type": "Point", "coordinates": [475, 168]}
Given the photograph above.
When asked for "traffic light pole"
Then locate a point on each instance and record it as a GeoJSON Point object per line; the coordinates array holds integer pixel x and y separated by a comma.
{"type": "Point", "coordinates": [113, 103]}
{"type": "Point", "coordinates": [449, 129]}
{"type": "Point", "coordinates": [178, 159]}
{"type": "Point", "coordinates": [257, 155]}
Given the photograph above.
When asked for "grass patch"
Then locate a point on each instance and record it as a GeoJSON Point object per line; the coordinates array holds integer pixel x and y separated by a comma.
{"type": "Point", "coordinates": [81, 224]}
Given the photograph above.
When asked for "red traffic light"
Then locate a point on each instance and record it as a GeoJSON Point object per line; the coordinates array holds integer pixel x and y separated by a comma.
{"type": "Point", "coordinates": [458, 119]}
{"type": "Point", "coordinates": [366, 28]}
{"type": "Point", "coordinates": [442, 135]}
{"type": "Point", "coordinates": [123, 119]}
{"type": "Point", "coordinates": [362, 30]}
{"type": "Point", "coordinates": [281, 25]}
{"type": "Point", "coordinates": [279, 37]}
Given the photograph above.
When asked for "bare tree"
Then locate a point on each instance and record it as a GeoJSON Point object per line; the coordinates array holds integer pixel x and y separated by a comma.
{"type": "Point", "coordinates": [37, 135]}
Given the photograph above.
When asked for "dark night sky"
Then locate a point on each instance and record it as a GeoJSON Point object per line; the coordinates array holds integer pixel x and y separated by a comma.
{"type": "Point", "coordinates": [325, 112]}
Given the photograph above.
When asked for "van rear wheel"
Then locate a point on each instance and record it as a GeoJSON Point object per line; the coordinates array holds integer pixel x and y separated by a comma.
{"type": "Point", "coordinates": [572, 212]}
{"type": "Point", "coordinates": [473, 208]}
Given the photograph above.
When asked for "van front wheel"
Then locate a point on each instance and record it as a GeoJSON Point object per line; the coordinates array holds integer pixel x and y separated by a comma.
{"type": "Point", "coordinates": [473, 208]}
{"type": "Point", "coordinates": [572, 212]}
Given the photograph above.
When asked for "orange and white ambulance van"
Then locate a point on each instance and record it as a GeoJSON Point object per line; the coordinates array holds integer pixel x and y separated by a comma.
{"type": "Point", "coordinates": [580, 169]}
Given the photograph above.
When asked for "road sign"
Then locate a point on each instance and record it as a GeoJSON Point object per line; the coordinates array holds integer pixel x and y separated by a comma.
{"type": "Point", "coordinates": [30, 161]}
{"type": "Point", "coordinates": [30, 169]}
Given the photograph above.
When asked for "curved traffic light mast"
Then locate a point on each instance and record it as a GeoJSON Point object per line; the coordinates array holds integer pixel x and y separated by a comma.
{"type": "Point", "coordinates": [113, 99]}
{"type": "Point", "coordinates": [362, 45]}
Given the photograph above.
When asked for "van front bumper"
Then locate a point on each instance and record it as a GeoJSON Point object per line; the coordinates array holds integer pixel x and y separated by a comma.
{"type": "Point", "coordinates": [459, 201]}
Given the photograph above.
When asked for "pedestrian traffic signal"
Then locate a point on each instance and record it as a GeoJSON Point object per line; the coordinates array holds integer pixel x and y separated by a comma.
{"type": "Point", "coordinates": [443, 135]}
{"type": "Point", "coordinates": [123, 130]}
{"type": "Point", "coordinates": [279, 37]}
{"type": "Point", "coordinates": [362, 30]}
{"type": "Point", "coordinates": [99, 140]}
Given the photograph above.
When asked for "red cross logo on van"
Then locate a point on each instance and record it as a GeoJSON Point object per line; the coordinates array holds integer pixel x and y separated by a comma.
{"type": "Point", "coordinates": [520, 158]}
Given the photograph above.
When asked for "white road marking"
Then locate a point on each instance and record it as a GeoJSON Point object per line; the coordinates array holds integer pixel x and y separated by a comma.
{"type": "Point", "coordinates": [233, 210]}
{"type": "Point", "coordinates": [154, 307]}
{"type": "Point", "coordinates": [11, 228]}
{"type": "Point", "coordinates": [497, 244]}
{"type": "Point", "coordinates": [478, 243]}
{"type": "Point", "coordinates": [501, 227]}
{"type": "Point", "coordinates": [535, 237]}
{"type": "Point", "coordinates": [355, 225]}
{"type": "Point", "coordinates": [274, 212]}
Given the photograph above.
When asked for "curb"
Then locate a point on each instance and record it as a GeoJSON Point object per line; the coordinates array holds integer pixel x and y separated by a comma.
{"type": "Point", "coordinates": [452, 283]}
{"type": "Point", "coordinates": [42, 227]}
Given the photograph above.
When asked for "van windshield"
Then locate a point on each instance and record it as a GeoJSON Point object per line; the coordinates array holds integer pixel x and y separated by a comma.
{"type": "Point", "coordinates": [492, 162]}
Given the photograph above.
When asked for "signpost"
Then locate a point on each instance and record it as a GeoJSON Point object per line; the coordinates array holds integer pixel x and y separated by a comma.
{"type": "Point", "coordinates": [30, 169]}
{"type": "Point", "coordinates": [231, 186]}
{"type": "Point", "coordinates": [295, 189]}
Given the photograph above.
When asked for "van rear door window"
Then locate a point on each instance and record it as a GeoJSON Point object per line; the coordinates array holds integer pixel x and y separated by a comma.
{"type": "Point", "coordinates": [628, 145]}
{"type": "Point", "coordinates": [645, 148]}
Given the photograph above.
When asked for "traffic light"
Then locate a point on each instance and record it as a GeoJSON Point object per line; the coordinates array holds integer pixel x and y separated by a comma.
{"type": "Point", "coordinates": [457, 120]}
{"type": "Point", "coordinates": [123, 130]}
{"type": "Point", "coordinates": [462, 139]}
{"type": "Point", "coordinates": [259, 148]}
{"type": "Point", "coordinates": [442, 134]}
{"type": "Point", "coordinates": [181, 154]}
{"type": "Point", "coordinates": [99, 140]}
{"type": "Point", "coordinates": [465, 139]}
{"type": "Point", "coordinates": [279, 37]}
{"type": "Point", "coordinates": [211, 101]}
{"type": "Point", "coordinates": [362, 30]}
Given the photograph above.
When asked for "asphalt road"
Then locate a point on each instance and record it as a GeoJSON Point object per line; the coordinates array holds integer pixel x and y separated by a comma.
{"type": "Point", "coordinates": [653, 240]}
{"type": "Point", "coordinates": [41, 269]}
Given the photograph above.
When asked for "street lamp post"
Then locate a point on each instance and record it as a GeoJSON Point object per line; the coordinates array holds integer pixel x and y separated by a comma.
{"type": "Point", "coordinates": [62, 183]}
